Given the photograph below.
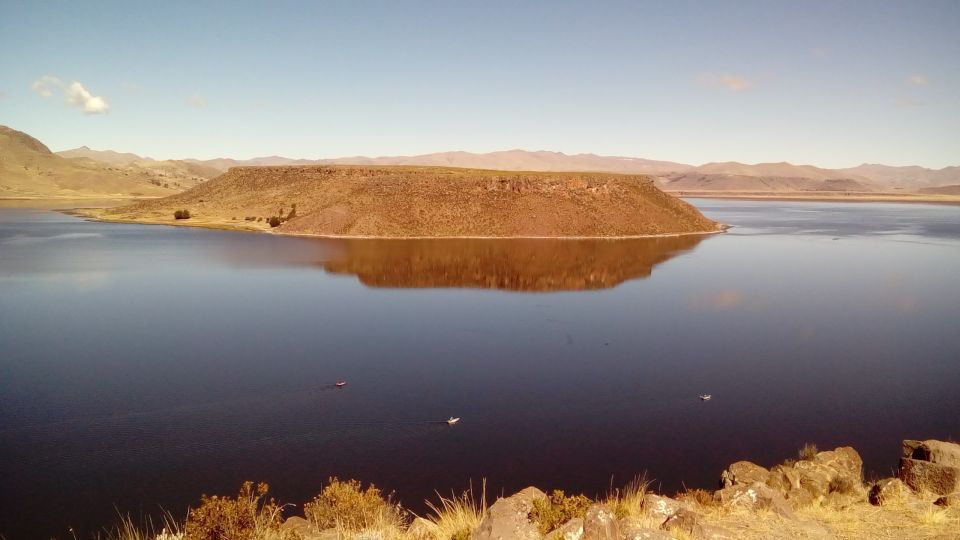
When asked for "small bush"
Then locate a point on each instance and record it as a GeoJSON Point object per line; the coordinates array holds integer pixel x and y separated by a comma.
{"type": "Point", "coordinates": [249, 515]}
{"type": "Point", "coordinates": [348, 507]}
{"type": "Point", "coordinates": [181, 214]}
{"type": "Point", "coordinates": [558, 509]}
{"type": "Point", "coordinates": [274, 221]}
{"type": "Point", "coordinates": [629, 500]}
{"type": "Point", "coordinates": [808, 452]}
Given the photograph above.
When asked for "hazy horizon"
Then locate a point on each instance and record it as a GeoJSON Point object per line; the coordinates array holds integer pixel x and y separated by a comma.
{"type": "Point", "coordinates": [824, 84]}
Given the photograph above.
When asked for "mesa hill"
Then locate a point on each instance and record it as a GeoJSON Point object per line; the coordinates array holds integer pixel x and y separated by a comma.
{"type": "Point", "coordinates": [396, 202]}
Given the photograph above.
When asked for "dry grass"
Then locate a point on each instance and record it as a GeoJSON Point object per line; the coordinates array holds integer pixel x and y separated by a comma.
{"type": "Point", "coordinates": [128, 529]}
{"type": "Point", "coordinates": [808, 452]}
{"type": "Point", "coordinates": [457, 516]}
{"type": "Point", "coordinates": [356, 512]}
{"type": "Point", "coordinates": [558, 509]}
{"type": "Point", "coordinates": [628, 501]}
{"type": "Point", "coordinates": [698, 497]}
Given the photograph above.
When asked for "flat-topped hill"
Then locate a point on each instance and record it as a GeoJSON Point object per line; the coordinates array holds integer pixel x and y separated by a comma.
{"type": "Point", "coordinates": [409, 201]}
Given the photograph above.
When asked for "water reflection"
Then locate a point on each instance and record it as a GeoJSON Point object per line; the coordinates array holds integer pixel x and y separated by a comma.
{"type": "Point", "coordinates": [515, 265]}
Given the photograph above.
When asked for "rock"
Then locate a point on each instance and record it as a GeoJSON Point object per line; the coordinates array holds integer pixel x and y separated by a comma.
{"type": "Point", "coordinates": [845, 462]}
{"type": "Point", "coordinates": [600, 523]}
{"type": "Point", "coordinates": [422, 529]}
{"type": "Point", "coordinates": [884, 490]}
{"type": "Point", "coordinates": [931, 465]}
{"type": "Point", "coordinates": [756, 496]}
{"type": "Point", "coordinates": [571, 530]}
{"type": "Point", "coordinates": [783, 479]}
{"type": "Point", "coordinates": [933, 477]}
{"type": "Point", "coordinates": [952, 499]}
{"type": "Point", "coordinates": [304, 530]}
{"type": "Point", "coordinates": [507, 518]}
{"type": "Point", "coordinates": [661, 507]}
{"type": "Point", "coordinates": [630, 530]}
{"type": "Point", "coordinates": [743, 472]}
{"type": "Point", "coordinates": [691, 523]}
{"type": "Point", "coordinates": [934, 451]}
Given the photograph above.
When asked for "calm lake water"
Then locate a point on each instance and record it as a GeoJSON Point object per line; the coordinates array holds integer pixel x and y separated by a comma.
{"type": "Point", "coordinates": [141, 366]}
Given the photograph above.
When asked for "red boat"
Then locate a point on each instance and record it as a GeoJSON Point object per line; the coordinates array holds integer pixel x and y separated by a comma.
{"type": "Point", "coordinates": [341, 384]}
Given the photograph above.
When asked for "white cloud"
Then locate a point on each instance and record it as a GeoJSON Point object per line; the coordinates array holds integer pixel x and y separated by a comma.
{"type": "Point", "coordinates": [78, 95]}
{"type": "Point", "coordinates": [734, 83]}
{"type": "Point", "coordinates": [919, 80]}
{"type": "Point", "coordinates": [75, 92]}
{"type": "Point", "coordinates": [45, 86]}
{"type": "Point", "coordinates": [196, 101]}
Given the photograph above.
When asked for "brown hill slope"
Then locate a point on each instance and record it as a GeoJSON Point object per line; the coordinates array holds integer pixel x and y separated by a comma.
{"type": "Point", "coordinates": [428, 202]}
{"type": "Point", "coordinates": [176, 174]}
{"type": "Point", "coordinates": [695, 181]}
{"type": "Point", "coordinates": [29, 170]}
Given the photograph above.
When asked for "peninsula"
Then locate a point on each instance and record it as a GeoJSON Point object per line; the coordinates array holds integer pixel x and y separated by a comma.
{"type": "Point", "coordinates": [423, 202]}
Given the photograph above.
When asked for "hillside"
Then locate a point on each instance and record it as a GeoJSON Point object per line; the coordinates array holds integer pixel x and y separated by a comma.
{"type": "Point", "coordinates": [427, 202]}
{"type": "Point", "coordinates": [29, 170]}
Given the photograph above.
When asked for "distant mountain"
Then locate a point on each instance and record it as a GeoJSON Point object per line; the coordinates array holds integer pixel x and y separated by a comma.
{"type": "Point", "coordinates": [103, 156]}
{"type": "Point", "coordinates": [911, 177]}
{"type": "Point", "coordinates": [942, 190]}
{"type": "Point", "coordinates": [28, 169]}
{"type": "Point", "coordinates": [698, 181]}
{"type": "Point", "coordinates": [775, 170]}
{"type": "Point", "coordinates": [176, 174]}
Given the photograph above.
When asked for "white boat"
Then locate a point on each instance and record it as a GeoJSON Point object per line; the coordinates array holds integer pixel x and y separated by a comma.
{"type": "Point", "coordinates": [705, 397]}
{"type": "Point", "coordinates": [453, 420]}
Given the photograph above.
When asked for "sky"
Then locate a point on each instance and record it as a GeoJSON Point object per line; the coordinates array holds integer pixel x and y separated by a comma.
{"type": "Point", "coordinates": [832, 84]}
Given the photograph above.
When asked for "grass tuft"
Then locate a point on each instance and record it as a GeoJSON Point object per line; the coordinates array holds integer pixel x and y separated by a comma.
{"type": "Point", "coordinates": [558, 509]}
{"type": "Point", "coordinates": [808, 452]}
{"type": "Point", "coordinates": [354, 511]}
{"type": "Point", "coordinates": [628, 501]}
{"type": "Point", "coordinates": [458, 516]}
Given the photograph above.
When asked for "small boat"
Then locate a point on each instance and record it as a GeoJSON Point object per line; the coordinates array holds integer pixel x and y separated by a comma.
{"type": "Point", "coordinates": [453, 420]}
{"type": "Point", "coordinates": [340, 384]}
{"type": "Point", "coordinates": [705, 397]}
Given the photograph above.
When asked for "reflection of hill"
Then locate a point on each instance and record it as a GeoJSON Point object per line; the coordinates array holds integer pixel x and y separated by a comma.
{"type": "Point", "coordinates": [518, 265]}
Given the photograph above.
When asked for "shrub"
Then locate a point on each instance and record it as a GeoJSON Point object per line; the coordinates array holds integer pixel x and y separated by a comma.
{"type": "Point", "coordinates": [348, 507]}
{"type": "Point", "coordinates": [629, 500]}
{"type": "Point", "coordinates": [250, 515]}
{"type": "Point", "coordinates": [457, 517]}
{"type": "Point", "coordinates": [842, 485]}
{"type": "Point", "coordinates": [274, 221]}
{"type": "Point", "coordinates": [808, 452]}
{"type": "Point", "coordinates": [181, 214]}
{"type": "Point", "coordinates": [558, 509]}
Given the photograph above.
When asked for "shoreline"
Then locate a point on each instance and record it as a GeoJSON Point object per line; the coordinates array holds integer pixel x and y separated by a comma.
{"type": "Point", "coordinates": [228, 227]}
{"type": "Point", "coordinates": [820, 197]}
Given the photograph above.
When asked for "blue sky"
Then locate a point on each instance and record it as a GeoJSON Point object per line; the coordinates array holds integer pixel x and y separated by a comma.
{"type": "Point", "coordinates": [832, 84]}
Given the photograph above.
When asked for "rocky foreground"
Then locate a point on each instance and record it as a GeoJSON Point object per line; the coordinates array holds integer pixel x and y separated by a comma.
{"type": "Point", "coordinates": [822, 495]}
{"type": "Point", "coordinates": [424, 202]}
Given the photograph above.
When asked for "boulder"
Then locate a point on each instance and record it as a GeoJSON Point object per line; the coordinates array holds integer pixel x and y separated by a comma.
{"type": "Point", "coordinates": [422, 529]}
{"type": "Point", "coordinates": [600, 523]}
{"type": "Point", "coordinates": [952, 499]}
{"type": "Point", "coordinates": [944, 453]}
{"type": "Point", "coordinates": [691, 524]}
{"type": "Point", "coordinates": [743, 472]}
{"type": "Point", "coordinates": [783, 479]}
{"type": "Point", "coordinates": [301, 528]}
{"type": "Point", "coordinates": [507, 518]}
{"type": "Point", "coordinates": [571, 530]}
{"type": "Point", "coordinates": [844, 461]}
{"type": "Point", "coordinates": [885, 490]}
{"type": "Point", "coordinates": [932, 466]}
{"type": "Point", "coordinates": [631, 530]}
{"type": "Point", "coordinates": [658, 506]}
{"type": "Point", "coordinates": [756, 496]}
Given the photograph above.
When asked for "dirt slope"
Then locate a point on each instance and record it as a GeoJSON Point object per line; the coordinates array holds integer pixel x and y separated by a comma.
{"type": "Point", "coordinates": [428, 202]}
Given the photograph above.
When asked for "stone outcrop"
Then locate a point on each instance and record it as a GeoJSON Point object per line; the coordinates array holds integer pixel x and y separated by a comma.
{"type": "Point", "coordinates": [799, 483]}
{"type": "Point", "coordinates": [600, 523]}
{"type": "Point", "coordinates": [571, 530]}
{"type": "Point", "coordinates": [692, 524]}
{"type": "Point", "coordinates": [630, 530]}
{"type": "Point", "coordinates": [885, 490]}
{"type": "Point", "coordinates": [952, 499]}
{"type": "Point", "coordinates": [755, 496]}
{"type": "Point", "coordinates": [660, 507]}
{"type": "Point", "coordinates": [507, 518]}
{"type": "Point", "coordinates": [931, 465]}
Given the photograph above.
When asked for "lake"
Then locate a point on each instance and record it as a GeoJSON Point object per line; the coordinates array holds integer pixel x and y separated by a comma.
{"type": "Point", "coordinates": [141, 366]}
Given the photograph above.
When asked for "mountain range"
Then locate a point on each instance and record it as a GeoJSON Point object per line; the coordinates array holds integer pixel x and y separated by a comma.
{"type": "Point", "coordinates": [28, 169]}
